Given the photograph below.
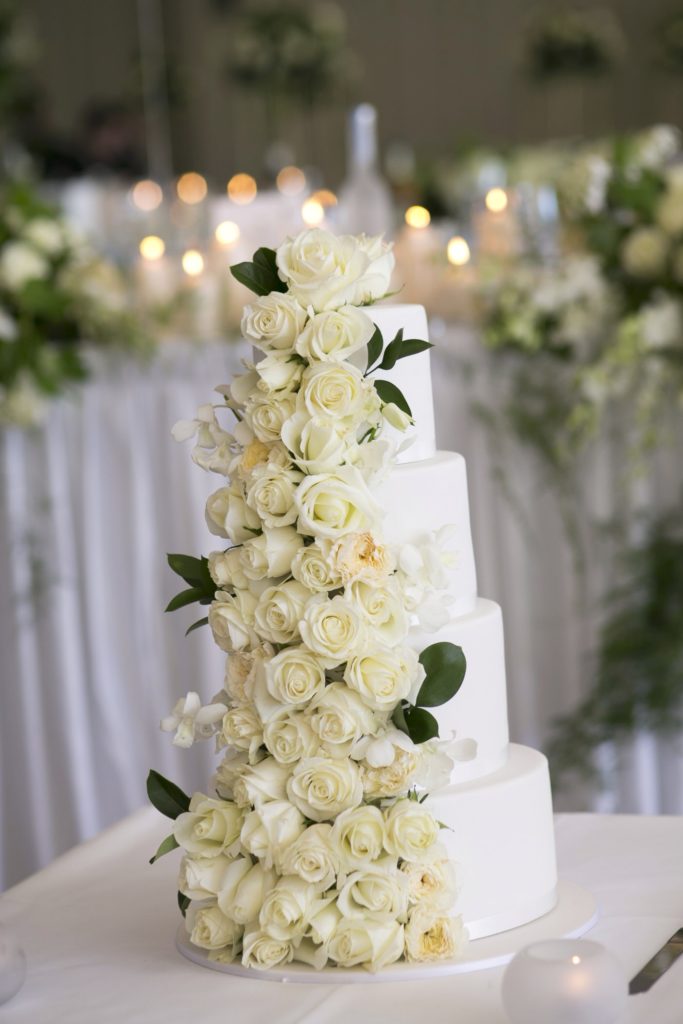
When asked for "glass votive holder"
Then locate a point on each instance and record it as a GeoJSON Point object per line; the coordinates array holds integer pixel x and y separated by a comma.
{"type": "Point", "coordinates": [566, 981]}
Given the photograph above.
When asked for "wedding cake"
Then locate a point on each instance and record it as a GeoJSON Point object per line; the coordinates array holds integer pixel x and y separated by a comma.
{"type": "Point", "coordinates": [368, 807]}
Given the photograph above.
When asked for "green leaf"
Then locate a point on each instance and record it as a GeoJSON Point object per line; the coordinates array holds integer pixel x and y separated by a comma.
{"type": "Point", "coordinates": [375, 346]}
{"type": "Point", "coordinates": [392, 352]}
{"type": "Point", "coordinates": [196, 625]}
{"type": "Point", "coordinates": [166, 796]}
{"type": "Point", "coordinates": [388, 392]}
{"type": "Point", "coordinates": [183, 902]}
{"type": "Point", "coordinates": [445, 666]}
{"type": "Point", "coordinates": [169, 843]}
{"type": "Point", "coordinates": [411, 347]}
{"type": "Point", "coordinates": [183, 598]}
{"type": "Point", "coordinates": [194, 571]}
{"type": "Point", "coordinates": [399, 718]}
{"type": "Point", "coordinates": [261, 275]}
{"type": "Point", "coordinates": [422, 726]}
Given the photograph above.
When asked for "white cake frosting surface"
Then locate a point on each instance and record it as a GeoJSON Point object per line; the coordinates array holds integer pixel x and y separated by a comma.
{"type": "Point", "coordinates": [498, 807]}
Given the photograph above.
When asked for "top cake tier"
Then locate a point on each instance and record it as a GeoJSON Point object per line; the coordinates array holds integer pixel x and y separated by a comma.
{"type": "Point", "coordinates": [412, 376]}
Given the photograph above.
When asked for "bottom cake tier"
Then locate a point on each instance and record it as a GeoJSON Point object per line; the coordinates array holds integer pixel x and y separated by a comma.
{"type": "Point", "coordinates": [501, 838]}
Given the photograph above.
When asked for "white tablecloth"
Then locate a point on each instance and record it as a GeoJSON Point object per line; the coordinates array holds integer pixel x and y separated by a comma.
{"type": "Point", "coordinates": [89, 664]}
{"type": "Point", "coordinates": [98, 928]}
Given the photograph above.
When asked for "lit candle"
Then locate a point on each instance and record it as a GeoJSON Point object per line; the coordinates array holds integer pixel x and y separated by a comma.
{"type": "Point", "coordinates": [156, 281]}
{"type": "Point", "coordinates": [565, 981]}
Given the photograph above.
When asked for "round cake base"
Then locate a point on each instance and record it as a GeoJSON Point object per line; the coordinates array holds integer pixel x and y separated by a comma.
{"type": "Point", "coordinates": [575, 913]}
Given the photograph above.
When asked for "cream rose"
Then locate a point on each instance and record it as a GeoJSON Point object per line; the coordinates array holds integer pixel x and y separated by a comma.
{"type": "Point", "coordinates": [264, 953]}
{"type": "Point", "coordinates": [332, 504]}
{"type": "Point", "coordinates": [228, 515]}
{"type": "Point", "coordinates": [338, 391]}
{"type": "Point", "coordinates": [279, 611]}
{"type": "Point", "coordinates": [358, 836]}
{"type": "Point", "coordinates": [226, 569]}
{"type": "Point", "coordinates": [332, 628]}
{"type": "Point", "coordinates": [273, 322]}
{"type": "Point", "coordinates": [411, 830]}
{"type": "Point", "coordinates": [209, 928]}
{"type": "Point", "coordinates": [242, 729]}
{"type": "Point", "coordinates": [318, 444]}
{"type": "Point", "coordinates": [243, 901]}
{"type": "Point", "coordinates": [231, 619]}
{"type": "Point", "coordinates": [323, 787]}
{"type": "Point", "coordinates": [371, 943]}
{"type": "Point", "coordinates": [200, 878]}
{"type": "Point", "coordinates": [269, 831]}
{"type": "Point", "coordinates": [376, 892]}
{"type": "Point", "coordinates": [285, 910]}
{"type": "Point", "coordinates": [290, 737]}
{"type": "Point", "coordinates": [383, 608]}
{"type": "Point", "coordinates": [392, 780]}
{"type": "Point", "coordinates": [359, 556]}
{"type": "Point", "coordinates": [432, 883]}
{"type": "Point", "coordinates": [313, 857]}
{"type": "Point", "coordinates": [338, 718]}
{"type": "Point", "coordinates": [210, 827]}
{"type": "Point", "coordinates": [271, 495]}
{"type": "Point", "coordinates": [294, 676]}
{"type": "Point", "coordinates": [382, 678]}
{"type": "Point", "coordinates": [335, 335]}
{"type": "Point", "coordinates": [240, 668]}
{"type": "Point", "coordinates": [231, 768]}
{"type": "Point", "coordinates": [269, 555]}
{"type": "Point", "coordinates": [257, 784]}
{"type": "Point", "coordinates": [265, 414]}
{"type": "Point", "coordinates": [374, 284]}
{"type": "Point", "coordinates": [327, 271]}
{"type": "Point", "coordinates": [430, 935]}
{"type": "Point", "coordinates": [311, 566]}
{"type": "Point", "coordinates": [279, 372]}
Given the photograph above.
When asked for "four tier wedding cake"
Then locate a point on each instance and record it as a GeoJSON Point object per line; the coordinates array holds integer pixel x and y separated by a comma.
{"type": "Point", "coordinates": [368, 806]}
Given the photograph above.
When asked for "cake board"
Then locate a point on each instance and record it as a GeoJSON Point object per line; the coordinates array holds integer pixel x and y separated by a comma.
{"type": "Point", "coordinates": [574, 914]}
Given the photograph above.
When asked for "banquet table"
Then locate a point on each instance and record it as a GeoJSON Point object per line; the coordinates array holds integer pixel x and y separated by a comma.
{"type": "Point", "coordinates": [98, 928]}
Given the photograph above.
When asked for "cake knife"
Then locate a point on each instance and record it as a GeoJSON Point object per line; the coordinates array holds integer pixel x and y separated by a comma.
{"type": "Point", "coordinates": [658, 965]}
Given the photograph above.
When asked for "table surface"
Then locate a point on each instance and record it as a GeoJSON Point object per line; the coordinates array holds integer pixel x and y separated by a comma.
{"type": "Point", "coordinates": [98, 927]}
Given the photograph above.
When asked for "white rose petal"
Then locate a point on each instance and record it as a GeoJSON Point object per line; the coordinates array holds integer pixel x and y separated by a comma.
{"type": "Point", "coordinates": [324, 787]}
{"type": "Point", "coordinates": [332, 628]}
{"type": "Point", "coordinates": [333, 504]}
{"type": "Point", "coordinates": [294, 677]}
{"type": "Point", "coordinates": [370, 943]}
{"type": "Point", "coordinates": [273, 322]}
{"type": "Point", "coordinates": [430, 935]}
{"type": "Point", "coordinates": [411, 830]}
{"type": "Point", "coordinates": [358, 836]}
{"type": "Point", "coordinates": [243, 901]}
{"type": "Point", "coordinates": [210, 827]}
{"type": "Point", "coordinates": [375, 892]}
{"type": "Point", "coordinates": [279, 611]}
{"type": "Point", "coordinates": [257, 784]}
{"type": "Point", "coordinates": [269, 831]}
{"type": "Point", "coordinates": [231, 620]}
{"type": "Point", "coordinates": [271, 554]}
{"type": "Point", "coordinates": [209, 928]}
{"type": "Point", "coordinates": [285, 910]}
{"type": "Point", "coordinates": [313, 857]}
{"type": "Point", "coordinates": [339, 717]}
{"type": "Point", "coordinates": [335, 335]}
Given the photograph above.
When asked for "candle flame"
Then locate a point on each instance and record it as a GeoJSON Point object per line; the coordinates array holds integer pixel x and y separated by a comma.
{"type": "Point", "coordinates": [417, 217]}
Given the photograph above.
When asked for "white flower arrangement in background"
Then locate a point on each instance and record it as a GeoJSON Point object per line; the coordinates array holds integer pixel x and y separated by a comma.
{"type": "Point", "coordinates": [317, 848]}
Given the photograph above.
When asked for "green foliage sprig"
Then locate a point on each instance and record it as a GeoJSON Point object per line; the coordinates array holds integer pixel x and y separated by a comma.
{"type": "Point", "coordinates": [444, 664]}
{"type": "Point", "coordinates": [201, 587]}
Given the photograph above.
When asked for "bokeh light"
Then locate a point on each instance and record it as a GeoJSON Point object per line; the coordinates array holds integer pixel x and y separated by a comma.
{"type": "Point", "coordinates": [291, 181]}
{"type": "Point", "coordinates": [325, 197]}
{"type": "Point", "coordinates": [242, 189]}
{"type": "Point", "coordinates": [191, 188]}
{"type": "Point", "coordinates": [193, 262]}
{"type": "Point", "coordinates": [417, 217]}
{"type": "Point", "coordinates": [496, 200]}
{"type": "Point", "coordinates": [147, 195]}
{"type": "Point", "coordinates": [312, 212]}
{"type": "Point", "coordinates": [458, 251]}
{"type": "Point", "coordinates": [227, 232]}
{"type": "Point", "coordinates": [152, 247]}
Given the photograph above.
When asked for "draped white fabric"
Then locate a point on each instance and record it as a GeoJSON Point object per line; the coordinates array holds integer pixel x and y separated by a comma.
{"type": "Point", "coordinates": [90, 504]}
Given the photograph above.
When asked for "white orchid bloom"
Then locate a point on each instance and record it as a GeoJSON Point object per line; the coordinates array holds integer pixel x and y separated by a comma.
{"type": "Point", "coordinates": [214, 446]}
{"type": "Point", "coordinates": [380, 751]}
{"type": "Point", "coordinates": [190, 721]}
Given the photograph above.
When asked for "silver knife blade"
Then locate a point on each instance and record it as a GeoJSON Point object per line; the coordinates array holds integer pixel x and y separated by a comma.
{"type": "Point", "coordinates": [658, 965]}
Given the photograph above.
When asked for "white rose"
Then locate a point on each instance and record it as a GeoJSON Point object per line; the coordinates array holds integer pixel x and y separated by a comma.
{"type": "Point", "coordinates": [209, 928]}
{"type": "Point", "coordinates": [265, 414]}
{"type": "Point", "coordinates": [313, 857]}
{"type": "Point", "coordinates": [21, 263]}
{"type": "Point", "coordinates": [335, 335]}
{"type": "Point", "coordinates": [264, 953]}
{"type": "Point", "coordinates": [332, 504]}
{"type": "Point", "coordinates": [273, 322]}
{"type": "Point", "coordinates": [645, 251]}
{"type": "Point", "coordinates": [432, 883]}
{"type": "Point", "coordinates": [411, 830]}
{"type": "Point", "coordinates": [242, 729]}
{"type": "Point", "coordinates": [338, 718]}
{"type": "Point", "coordinates": [374, 284]}
{"type": "Point", "coordinates": [231, 768]}
{"type": "Point", "coordinates": [370, 943]}
{"type": "Point", "coordinates": [332, 628]}
{"type": "Point", "coordinates": [294, 676]}
{"type": "Point", "coordinates": [271, 554]}
{"type": "Point", "coordinates": [243, 901]}
{"type": "Point", "coordinates": [392, 780]}
{"type": "Point", "coordinates": [285, 910]}
{"type": "Point", "coordinates": [376, 892]}
{"type": "Point", "coordinates": [312, 566]}
{"type": "Point", "coordinates": [324, 922]}
{"type": "Point", "coordinates": [382, 607]}
{"type": "Point", "coordinates": [382, 679]}
{"type": "Point", "coordinates": [327, 271]}
{"type": "Point", "coordinates": [228, 515]}
{"type": "Point", "coordinates": [226, 569]}
{"type": "Point", "coordinates": [338, 391]}
{"type": "Point", "coordinates": [231, 619]}
{"type": "Point", "coordinates": [324, 787]}
{"type": "Point", "coordinates": [46, 235]}
{"type": "Point", "coordinates": [259, 783]}
{"type": "Point", "coordinates": [269, 831]}
{"type": "Point", "coordinates": [200, 878]}
{"type": "Point", "coordinates": [359, 556]}
{"type": "Point", "coordinates": [210, 827]}
{"type": "Point", "coordinates": [279, 611]}
{"type": "Point", "coordinates": [271, 494]}
{"type": "Point", "coordinates": [429, 935]}
{"type": "Point", "coordinates": [240, 668]}
{"type": "Point", "coordinates": [358, 836]}
{"type": "Point", "coordinates": [289, 738]}
{"type": "Point", "coordinates": [279, 372]}
{"type": "Point", "coordinates": [318, 444]}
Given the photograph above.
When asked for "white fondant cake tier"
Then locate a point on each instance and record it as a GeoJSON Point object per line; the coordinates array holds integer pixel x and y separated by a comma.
{"type": "Point", "coordinates": [479, 709]}
{"type": "Point", "coordinates": [412, 376]}
{"type": "Point", "coordinates": [421, 497]}
{"type": "Point", "coordinates": [501, 838]}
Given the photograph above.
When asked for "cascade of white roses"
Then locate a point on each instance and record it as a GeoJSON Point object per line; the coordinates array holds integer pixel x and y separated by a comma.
{"type": "Point", "coordinates": [315, 847]}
